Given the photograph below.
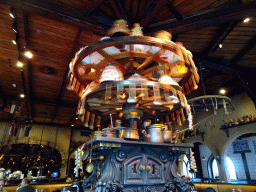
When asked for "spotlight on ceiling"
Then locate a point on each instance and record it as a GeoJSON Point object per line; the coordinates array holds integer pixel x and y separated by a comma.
{"type": "Point", "coordinates": [19, 64]}
{"type": "Point", "coordinates": [246, 20]}
{"type": "Point", "coordinates": [222, 91]}
{"type": "Point", "coordinates": [28, 54]}
{"type": "Point", "coordinates": [22, 95]}
{"type": "Point", "coordinates": [14, 27]}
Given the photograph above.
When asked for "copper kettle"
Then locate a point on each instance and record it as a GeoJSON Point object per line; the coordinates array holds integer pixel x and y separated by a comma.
{"type": "Point", "coordinates": [169, 136]}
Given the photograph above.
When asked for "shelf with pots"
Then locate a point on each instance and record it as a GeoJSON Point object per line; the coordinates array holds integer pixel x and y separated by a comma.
{"type": "Point", "coordinates": [240, 121]}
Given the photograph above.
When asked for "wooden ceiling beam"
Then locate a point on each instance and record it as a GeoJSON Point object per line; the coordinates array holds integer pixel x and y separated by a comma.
{"type": "Point", "coordinates": [52, 11]}
{"type": "Point", "coordinates": [43, 101]}
{"type": "Point", "coordinates": [241, 73]}
{"type": "Point", "coordinates": [176, 14]}
{"type": "Point", "coordinates": [124, 13]}
{"type": "Point", "coordinates": [206, 19]}
{"type": "Point", "coordinates": [94, 7]}
{"type": "Point", "coordinates": [26, 90]}
{"type": "Point", "coordinates": [152, 10]}
{"type": "Point", "coordinates": [28, 65]}
{"type": "Point", "coordinates": [61, 88]}
{"type": "Point", "coordinates": [223, 28]}
{"type": "Point", "coordinates": [231, 27]}
{"type": "Point", "coordinates": [53, 103]}
{"type": "Point", "coordinates": [218, 64]}
{"type": "Point", "coordinates": [244, 51]}
{"type": "Point", "coordinates": [174, 11]}
{"type": "Point", "coordinates": [114, 10]}
{"type": "Point", "coordinates": [149, 6]}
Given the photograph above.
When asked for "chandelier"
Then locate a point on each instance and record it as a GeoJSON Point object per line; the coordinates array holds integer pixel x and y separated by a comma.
{"type": "Point", "coordinates": [133, 75]}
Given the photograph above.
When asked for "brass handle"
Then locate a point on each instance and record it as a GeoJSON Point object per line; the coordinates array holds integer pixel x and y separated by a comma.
{"type": "Point", "coordinates": [148, 168]}
{"type": "Point", "coordinates": [142, 168]}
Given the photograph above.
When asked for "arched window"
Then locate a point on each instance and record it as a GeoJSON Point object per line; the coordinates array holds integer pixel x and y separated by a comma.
{"type": "Point", "coordinates": [186, 167]}
{"type": "Point", "coordinates": [231, 168]}
{"type": "Point", "coordinates": [213, 168]}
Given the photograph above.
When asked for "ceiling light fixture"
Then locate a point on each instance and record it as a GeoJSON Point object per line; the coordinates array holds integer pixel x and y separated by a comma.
{"type": "Point", "coordinates": [28, 54]}
{"type": "Point", "coordinates": [19, 64]}
{"type": "Point", "coordinates": [222, 91]}
{"type": "Point", "coordinates": [220, 45]}
{"type": "Point", "coordinates": [246, 20]}
{"type": "Point", "coordinates": [11, 12]}
{"type": "Point", "coordinates": [22, 95]}
{"type": "Point", "coordinates": [11, 15]}
{"type": "Point", "coordinates": [14, 27]}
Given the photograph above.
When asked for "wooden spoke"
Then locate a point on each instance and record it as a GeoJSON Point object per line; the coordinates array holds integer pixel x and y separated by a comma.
{"type": "Point", "coordinates": [109, 58]}
{"type": "Point", "coordinates": [149, 60]}
{"type": "Point", "coordinates": [148, 72]}
{"type": "Point", "coordinates": [132, 56]}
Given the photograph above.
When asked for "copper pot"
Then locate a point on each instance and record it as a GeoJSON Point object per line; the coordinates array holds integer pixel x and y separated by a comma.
{"type": "Point", "coordinates": [155, 133]}
{"type": "Point", "coordinates": [167, 136]}
{"type": "Point", "coordinates": [129, 133]}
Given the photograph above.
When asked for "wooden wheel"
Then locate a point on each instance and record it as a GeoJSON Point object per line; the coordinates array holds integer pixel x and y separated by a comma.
{"type": "Point", "coordinates": [120, 51]}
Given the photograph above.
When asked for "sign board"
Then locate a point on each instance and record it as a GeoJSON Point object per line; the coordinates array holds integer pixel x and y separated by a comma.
{"type": "Point", "coordinates": [241, 146]}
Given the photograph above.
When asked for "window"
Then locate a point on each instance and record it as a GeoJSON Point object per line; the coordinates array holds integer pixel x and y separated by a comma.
{"type": "Point", "coordinates": [186, 167]}
{"type": "Point", "coordinates": [213, 168]}
{"type": "Point", "coordinates": [231, 168]}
